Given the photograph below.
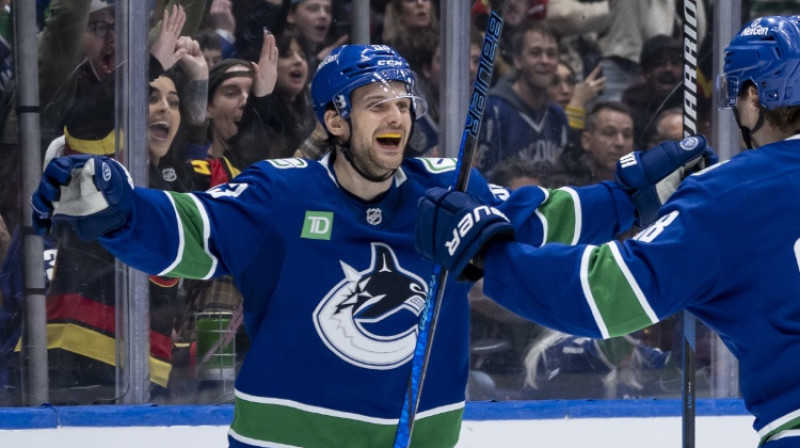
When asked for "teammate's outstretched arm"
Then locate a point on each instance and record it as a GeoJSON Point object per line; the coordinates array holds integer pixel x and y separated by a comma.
{"type": "Point", "coordinates": [453, 228]}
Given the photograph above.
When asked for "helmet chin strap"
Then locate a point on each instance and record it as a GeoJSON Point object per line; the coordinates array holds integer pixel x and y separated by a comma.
{"type": "Point", "coordinates": [348, 155]}
{"type": "Point", "coordinates": [747, 133]}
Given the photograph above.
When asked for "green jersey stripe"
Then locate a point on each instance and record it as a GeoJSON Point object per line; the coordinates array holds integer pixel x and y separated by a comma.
{"type": "Point", "coordinates": [272, 422]}
{"type": "Point", "coordinates": [193, 260]}
{"type": "Point", "coordinates": [771, 430]}
{"type": "Point", "coordinates": [562, 206]}
{"type": "Point", "coordinates": [617, 303]}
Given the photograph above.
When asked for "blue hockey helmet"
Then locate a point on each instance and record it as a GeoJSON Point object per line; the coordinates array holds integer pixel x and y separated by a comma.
{"type": "Point", "coordinates": [767, 53]}
{"type": "Point", "coordinates": [349, 67]}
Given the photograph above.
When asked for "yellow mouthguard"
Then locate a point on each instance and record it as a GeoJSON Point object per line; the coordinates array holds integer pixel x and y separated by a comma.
{"type": "Point", "coordinates": [392, 135]}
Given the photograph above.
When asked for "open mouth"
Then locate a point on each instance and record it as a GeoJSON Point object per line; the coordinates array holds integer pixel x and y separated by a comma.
{"type": "Point", "coordinates": [159, 130]}
{"type": "Point", "coordinates": [107, 62]}
{"type": "Point", "coordinates": [390, 139]}
{"type": "Point", "coordinates": [297, 75]}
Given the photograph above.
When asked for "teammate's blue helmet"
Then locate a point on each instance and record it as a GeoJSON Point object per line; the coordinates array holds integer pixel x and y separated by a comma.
{"type": "Point", "coordinates": [349, 67]}
{"type": "Point", "coordinates": [767, 52]}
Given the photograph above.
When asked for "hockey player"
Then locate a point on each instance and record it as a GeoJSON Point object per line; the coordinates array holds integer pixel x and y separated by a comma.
{"type": "Point", "coordinates": [323, 254]}
{"type": "Point", "coordinates": [726, 246]}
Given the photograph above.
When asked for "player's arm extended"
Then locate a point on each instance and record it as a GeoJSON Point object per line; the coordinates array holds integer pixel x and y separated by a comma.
{"type": "Point", "coordinates": [158, 232]}
{"type": "Point", "coordinates": [568, 215]}
{"type": "Point", "coordinates": [611, 289]}
{"type": "Point", "coordinates": [644, 180]}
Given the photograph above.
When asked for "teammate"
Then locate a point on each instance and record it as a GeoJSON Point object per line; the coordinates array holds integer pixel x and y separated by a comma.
{"type": "Point", "coordinates": [726, 246]}
{"type": "Point", "coordinates": [323, 254]}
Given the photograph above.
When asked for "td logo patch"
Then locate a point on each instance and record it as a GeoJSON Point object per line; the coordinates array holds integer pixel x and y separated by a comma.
{"type": "Point", "coordinates": [317, 225]}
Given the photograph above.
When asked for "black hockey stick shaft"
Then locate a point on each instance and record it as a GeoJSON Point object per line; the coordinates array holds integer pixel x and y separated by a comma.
{"type": "Point", "coordinates": [690, 101]}
{"type": "Point", "coordinates": [469, 143]}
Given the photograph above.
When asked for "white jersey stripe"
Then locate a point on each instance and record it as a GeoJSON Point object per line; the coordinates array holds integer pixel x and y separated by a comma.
{"type": "Point", "coordinates": [587, 291]}
{"type": "Point", "coordinates": [614, 246]}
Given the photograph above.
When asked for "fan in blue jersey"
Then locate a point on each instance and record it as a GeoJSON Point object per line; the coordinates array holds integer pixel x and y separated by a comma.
{"type": "Point", "coordinates": [323, 254]}
{"type": "Point", "coordinates": [725, 247]}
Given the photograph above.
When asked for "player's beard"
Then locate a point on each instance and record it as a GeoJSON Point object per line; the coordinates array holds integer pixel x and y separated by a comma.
{"type": "Point", "coordinates": [371, 159]}
{"type": "Point", "coordinates": [372, 162]}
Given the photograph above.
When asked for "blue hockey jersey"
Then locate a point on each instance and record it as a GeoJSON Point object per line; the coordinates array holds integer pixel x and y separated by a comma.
{"type": "Point", "coordinates": [333, 290]}
{"type": "Point", "coordinates": [512, 130]}
{"type": "Point", "coordinates": [726, 248]}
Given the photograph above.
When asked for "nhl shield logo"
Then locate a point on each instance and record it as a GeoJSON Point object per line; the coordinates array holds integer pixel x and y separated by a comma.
{"type": "Point", "coordinates": [374, 216]}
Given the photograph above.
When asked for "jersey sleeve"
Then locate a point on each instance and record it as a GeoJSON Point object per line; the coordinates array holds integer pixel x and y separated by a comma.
{"type": "Point", "coordinates": [590, 214]}
{"type": "Point", "coordinates": [187, 234]}
{"type": "Point", "coordinates": [615, 288]}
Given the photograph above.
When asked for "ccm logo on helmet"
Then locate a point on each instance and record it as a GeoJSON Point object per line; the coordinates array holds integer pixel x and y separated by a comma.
{"type": "Point", "coordinates": [467, 222]}
{"type": "Point", "coordinates": [391, 62]}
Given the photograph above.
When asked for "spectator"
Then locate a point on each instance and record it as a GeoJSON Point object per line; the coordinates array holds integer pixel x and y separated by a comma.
{"type": "Point", "coordinates": [662, 76]}
{"type": "Point", "coordinates": [668, 125]}
{"type": "Point", "coordinates": [515, 14]}
{"type": "Point", "coordinates": [607, 137]}
{"type": "Point", "coordinates": [412, 28]}
{"type": "Point", "coordinates": [210, 46]}
{"type": "Point", "coordinates": [291, 117]}
{"type": "Point", "coordinates": [223, 24]}
{"type": "Point", "coordinates": [81, 297]}
{"type": "Point", "coordinates": [520, 121]}
{"type": "Point", "coordinates": [573, 94]}
{"type": "Point", "coordinates": [425, 139]}
{"type": "Point", "coordinates": [228, 90]}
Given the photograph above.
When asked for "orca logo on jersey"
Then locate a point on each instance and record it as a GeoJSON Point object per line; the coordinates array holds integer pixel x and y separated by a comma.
{"type": "Point", "coordinates": [370, 318]}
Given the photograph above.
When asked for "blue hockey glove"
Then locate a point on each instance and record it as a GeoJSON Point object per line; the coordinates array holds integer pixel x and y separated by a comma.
{"type": "Point", "coordinates": [650, 177]}
{"type": "Point", "coordinates": [453, 228]}
{"type": "Point", "coordinates": [93, 194]}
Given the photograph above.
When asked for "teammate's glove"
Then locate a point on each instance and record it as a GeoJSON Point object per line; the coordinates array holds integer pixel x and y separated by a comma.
{"type": "Point", "coordinates": [650, 177]}
{"type": "Point", "coordinates": [93, 194]}
{"type": "Point", "coordinates": [453, 228]}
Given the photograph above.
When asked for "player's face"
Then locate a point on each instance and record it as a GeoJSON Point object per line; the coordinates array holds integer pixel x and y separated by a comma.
{"type": "Point", "coordinates": [312, 18]}
{"type": "Point", "coordinates": [611, 138]}
{"type": "Point", "coordinates": [538, 60]}
{"type": "Point", "coordinates": [164, 117]}
{"type": "Point", "coordinates": [381, 121]}
{"type": "Point", "coordinates": [292, 70]}
{"type": "Point", "coordinates": [227, 104]}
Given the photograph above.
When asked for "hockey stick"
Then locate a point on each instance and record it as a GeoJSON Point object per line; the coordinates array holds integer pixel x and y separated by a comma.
{"type": "Point", "coordinates": [469, 143]}
{"type": "Point", "coordinates": [690, 99]}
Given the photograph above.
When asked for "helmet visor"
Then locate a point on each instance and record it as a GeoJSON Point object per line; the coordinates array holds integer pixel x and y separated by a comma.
{"type": "Point", "coordinates": [392, 84]}
{"type": "Point", "coordinates": [418, 104]}
{"type": "Point", "coordinates": [727, 89]}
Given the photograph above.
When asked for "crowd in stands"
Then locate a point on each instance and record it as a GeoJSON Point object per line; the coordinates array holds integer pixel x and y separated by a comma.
{"type": "Point", "coordinates": [578, 84]}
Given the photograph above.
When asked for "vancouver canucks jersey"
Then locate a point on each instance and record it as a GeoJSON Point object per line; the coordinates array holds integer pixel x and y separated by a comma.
{"type": "Point", "coordinates": [726, 247]}
{"type": "Point", "coordinates": [333, 290]}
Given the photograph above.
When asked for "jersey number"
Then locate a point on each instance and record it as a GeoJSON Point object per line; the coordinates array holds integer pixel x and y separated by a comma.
{"type": "Point", "coordinates": [649, 234]}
